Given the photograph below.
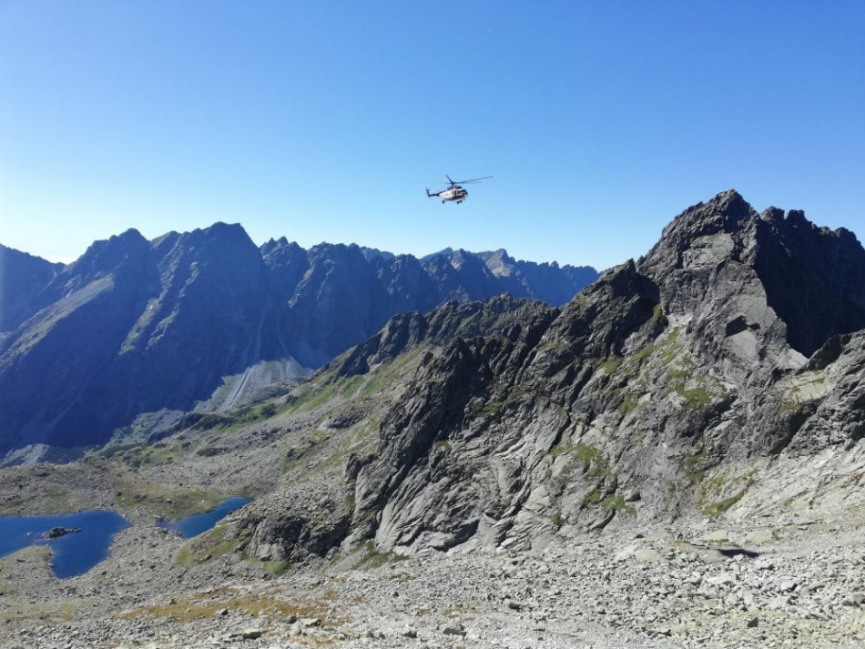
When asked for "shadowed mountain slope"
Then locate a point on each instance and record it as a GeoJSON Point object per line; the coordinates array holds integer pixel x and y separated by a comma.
{"type": "Point", "coordinates": [136, 332]}
{"type": "Point", "coordinates": [22, 278]}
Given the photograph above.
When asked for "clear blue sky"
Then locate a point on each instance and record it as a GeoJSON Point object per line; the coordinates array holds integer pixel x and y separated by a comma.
{"type": "Point", "coordinates": [324, 121]}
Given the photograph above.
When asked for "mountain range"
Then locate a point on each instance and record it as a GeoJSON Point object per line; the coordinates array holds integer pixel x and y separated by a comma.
{"type": "Point", "coordinates": [136, 332]}
{"type": "Point", "coordinates": [672, 457]}
{"type": "Point", "coordinates": [723, 370]}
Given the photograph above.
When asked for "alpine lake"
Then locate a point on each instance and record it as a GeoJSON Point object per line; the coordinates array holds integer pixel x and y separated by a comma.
{"type": "Point", "coordinates": [80, 541]}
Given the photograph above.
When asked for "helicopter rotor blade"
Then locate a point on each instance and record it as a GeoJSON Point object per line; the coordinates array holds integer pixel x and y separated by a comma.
{"type": "Point", "coordinates": [471, 180]}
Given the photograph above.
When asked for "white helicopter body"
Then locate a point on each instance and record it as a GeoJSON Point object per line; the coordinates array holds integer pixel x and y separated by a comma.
{"type": "Point", "coordinates": [455, 191]}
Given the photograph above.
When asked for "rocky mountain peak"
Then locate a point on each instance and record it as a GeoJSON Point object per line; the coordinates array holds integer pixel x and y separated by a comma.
{"type": "Point", "coordinates": [115, 245]}
{"type": "Point", "coordinates": [225, 230]}
{"type": "Point", "coordinates": [439, 253]}
{"type": "Point", "coordinates": [726, 211]}
{"type": "Point", "coordinates": [726, 214]}
{"type": "Point", "coordinates": [784, 266]}
{"type": "Point", "coordinates": [273, 244]}
{"type": "Point", "coordinates": [121, 252]}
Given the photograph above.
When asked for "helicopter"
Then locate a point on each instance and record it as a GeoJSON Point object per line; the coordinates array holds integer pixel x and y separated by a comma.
{"type": "Point", "coordinates": [455, 190]}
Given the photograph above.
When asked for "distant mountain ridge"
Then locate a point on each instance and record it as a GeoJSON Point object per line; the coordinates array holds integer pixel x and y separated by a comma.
{"type": "Point", "coordinates": [136, 326]}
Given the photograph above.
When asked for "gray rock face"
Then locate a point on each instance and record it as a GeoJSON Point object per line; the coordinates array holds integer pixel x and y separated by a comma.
{"type": "Point", "coordinates": [812, 277]}
{"type": "Point", "coordinates": [134, 332]}
{"type": "Point", "coordinates": [664, 391]}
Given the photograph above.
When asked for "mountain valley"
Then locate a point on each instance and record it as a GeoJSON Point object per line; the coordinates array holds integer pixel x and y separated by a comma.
{"type": "Point", "coordinates": [671, 458]}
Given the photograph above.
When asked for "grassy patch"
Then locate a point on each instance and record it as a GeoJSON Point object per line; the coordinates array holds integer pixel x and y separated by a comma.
{"type": "Point", "coordinates": [388, 373]}
{"type": "Point", "coordinates": [694, 477]}
{"type": "Point", "coordinates": [143, 455]}
{"type": "Point", "coordinates": [670, 348]}
{"type": "Point", "coordinates": [52, 500]}
{"type": "Point", "coordinates": [325, 387]}
{"type": "Point", "coordinates": [611, 364]}
{"type": "Point", "coordinates": [115, 451]}
{"type": "Point", "coordinates": [210, 451]}
{"type": "Point", "coordinates": [324, 449]}
{"type": "Point", "coordinates": [491, 408]}
{"type": "Point", "coordinates": [560, 449]}
{"type": "Point", "coordinates": [594, 498]}
{"type": "Point", "coordinates": [716, 509]}
{"type": "Point", "coordinates": [170, 503]}
{"type": "Point", "coordinates": [695, 466]}
{"type": "Point", "coordinates": [39, 613]}
{"type": "Point", "coordinates": [617, 504]}
{"type": "Point", "coordinates": [202, 606]}
{"type": "Point", "coordinates": [588, 455]}
{"type": "Point", "coordinates": [696, 397]}
{"type": "Point", "coordinates": [680, 378]}
{"type": "Point", "coordinates": [629, 404]}
{"type": "Point", "coordinates": [208, 546]}
{"type": "Point", "coordinates": [233, 419]}
{"type": "Point", "coordinates": [642, 355]}
{"type": "Point", "coordinates": [719, 484]}
{"type": "Point", "coordinates": [317, 395]}
{"type": "Point", "coordinates": [374, 558]}
{"type": "Point", "coordinates": [591, 457]}
{"type": "Point", "coordinates": [276, 568]}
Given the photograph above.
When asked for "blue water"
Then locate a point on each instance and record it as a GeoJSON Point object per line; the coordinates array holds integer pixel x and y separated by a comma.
{"type": "Point", "coordinates": [200, 523]}
{"type": "Point", "coordinates": [72, 554]}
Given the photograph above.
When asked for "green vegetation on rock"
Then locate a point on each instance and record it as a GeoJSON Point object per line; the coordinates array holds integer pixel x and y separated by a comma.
{"type": "Point", "coordinates": [208, 546]}
{"type": "Point", "coordinates": [616, 503]}
{"type": "Point", "coordinates": [169, 503]}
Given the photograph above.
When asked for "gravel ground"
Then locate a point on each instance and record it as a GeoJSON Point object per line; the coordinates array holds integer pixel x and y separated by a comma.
{"type": "Point", "coordinates": [794, 580]}
{"type": "Point", "coordinates": [801, 585]}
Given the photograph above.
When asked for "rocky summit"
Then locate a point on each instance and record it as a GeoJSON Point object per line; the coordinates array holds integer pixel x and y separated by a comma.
{"type": "Point", "coordinates": [672, 458]}
{"type": "Point", "coordinates": [135, 333]}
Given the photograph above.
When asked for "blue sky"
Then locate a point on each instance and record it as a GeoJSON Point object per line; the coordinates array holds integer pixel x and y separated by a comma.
{"type": "Point", "coordinates": [324, 121]}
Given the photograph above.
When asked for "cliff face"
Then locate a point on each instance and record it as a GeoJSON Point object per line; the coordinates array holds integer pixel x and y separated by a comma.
{"type": "Point", "coordinates": [136, 332]}
{"type": "Point", "coordinates": [722, 372]}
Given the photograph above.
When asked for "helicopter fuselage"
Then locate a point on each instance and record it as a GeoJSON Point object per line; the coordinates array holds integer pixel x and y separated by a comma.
{"type": "Point", "coordinates": [457, 194]}
{"type": "Point", "coordinates": [454, 194]}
